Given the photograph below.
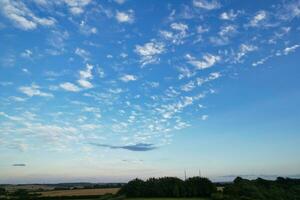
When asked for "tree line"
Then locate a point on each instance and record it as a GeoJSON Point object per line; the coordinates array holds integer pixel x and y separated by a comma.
{"type": "Point", "coordinates": [260, 189]}
{"type": "Point", "coordinates": [169, 187]}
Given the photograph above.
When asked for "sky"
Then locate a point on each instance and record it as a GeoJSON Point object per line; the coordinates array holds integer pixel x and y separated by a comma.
{"type": "Point", "coordinates": [106, 91]}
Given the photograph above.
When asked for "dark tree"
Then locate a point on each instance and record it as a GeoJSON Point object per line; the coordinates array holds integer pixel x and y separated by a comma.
{"type": "Point", "coordinates": [2, 192]}
{"type": "Point", "coordinates": [199, 187]}
{"type": "Point", "coordinates": [169, 187]}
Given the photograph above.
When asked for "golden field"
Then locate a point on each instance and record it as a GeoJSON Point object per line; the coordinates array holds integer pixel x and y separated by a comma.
{"type": "Point", "coordinates": [80, 192]}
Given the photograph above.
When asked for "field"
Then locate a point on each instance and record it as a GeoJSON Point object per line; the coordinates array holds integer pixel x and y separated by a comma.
{"type": "Point", "coordinates": [156, 199]}
{"type": "Point", "coordinates": [79, 192]}
{"type": "Point", "coordinates": [166, 199]}
{"type": "Point", "coordinates": [28, 187]}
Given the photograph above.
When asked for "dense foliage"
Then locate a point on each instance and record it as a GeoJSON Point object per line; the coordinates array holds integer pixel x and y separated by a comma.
{"type": "Point", "coordinates": [169, 187]}
{"type": "Point", "coordinates": [260, 189]}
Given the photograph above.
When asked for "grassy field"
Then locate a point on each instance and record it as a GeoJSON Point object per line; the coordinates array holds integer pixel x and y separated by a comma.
{"type": "Point", "coordinates": [79, 192]}
{"type": "Point", "coordinates": [156, 199]}
{"type": "Point", "coordinates": [166, 199]}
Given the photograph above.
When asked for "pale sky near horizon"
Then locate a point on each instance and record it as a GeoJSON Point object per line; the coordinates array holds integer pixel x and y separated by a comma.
{"type": "Point", "coordinates": [106, 91]}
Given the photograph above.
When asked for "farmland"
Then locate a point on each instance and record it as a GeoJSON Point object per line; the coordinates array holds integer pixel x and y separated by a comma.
{"type": "Point", "coordinates": [148, 199]}
{"type": "Point", "coordinates": [79, 192]}
{"type": "Point", "coordinates": [164, 188]}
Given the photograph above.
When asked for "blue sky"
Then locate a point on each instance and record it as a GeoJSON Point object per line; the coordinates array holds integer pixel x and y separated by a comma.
{"type": "Point", "coordinates": [113, 90]}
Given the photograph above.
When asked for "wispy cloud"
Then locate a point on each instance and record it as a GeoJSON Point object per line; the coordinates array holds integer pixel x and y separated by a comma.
{"type": "Point", "coordinates": [85, 76]}
{"type": "Point", "coordinates": [206, 4]}
{"type": "Point", "coordinates": [34, 90]}
{"type": "Point", "coordinates": [128, 77]}
{"type": "Point", "coordinates": [85, 55]}
{"type": "Point", "coordinates": [207, 61]}
{"type": "Point", "coordinates": [77, 7]}
{"type": "Point", "coordinates": [258, 18]}
{"type": "Point", "coordinates": [290, 49]}
{"type": "Point", "coordinates": [19, 165]}
{"type": "Point", "coordinates": [134, 147]}
{"type": "Point", "coordinates": [69, 87]}
{"type": "Point", "coordinates": [149, 52]}
{"type": "Point", "coordinates": [22, 16]}
{"type": "Point", "coordinates": [244, 49]}
{"type": "Point", "coordinates": [125, 17]}
{"type": "Point", "coordinates": [230, 15]}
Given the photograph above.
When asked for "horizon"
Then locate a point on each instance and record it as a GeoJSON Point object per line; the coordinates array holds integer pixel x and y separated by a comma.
{"type": "Point", "coordinates": [118, 89]}
{"type": "Point", "coordinates": [218, 179]}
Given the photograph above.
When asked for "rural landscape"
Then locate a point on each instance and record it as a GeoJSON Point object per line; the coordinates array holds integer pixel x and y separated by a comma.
{"type": "Point", "coordinates": [165, 188]}
{"type": "Point", "coordinates": [149, 99]}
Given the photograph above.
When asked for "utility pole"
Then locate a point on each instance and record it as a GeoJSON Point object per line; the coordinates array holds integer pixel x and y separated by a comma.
{"type": "Point", "coordinates": [199, 173]}
{"type": "Point", "coordinates": [185, 175]}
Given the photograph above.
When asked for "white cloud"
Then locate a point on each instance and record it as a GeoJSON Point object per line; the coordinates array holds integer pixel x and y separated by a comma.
{"type": "Point", "coordinates": [91, 109]}
{"type": "Point", "coordinates": [82, 53]}
{"type": "Point", "coordinates": [207, 4]}
{"type": "Point", "coordinates": [90, 126]}
{"type": "Point", "coordinates": [154, 84]}
{"type": "Point", "coordinates": [178, 34]}
{"type": "Point", "coordinates": [22, 16]}
{"type": "Point", "coordinates": [123, 55]}
{"type": "Point", "coordinates": [22, 147]}
{"type": "Point", "coordinates": [204, 117]}
{"type": "Point", "coordinates": [291, 9]}
{"type": "Point", "coordinates": [125, 17]}
{"type": "Point", "coordinates": [18, 99]}
{"type": "Point", "coordinates": [149, 51]}
{"type": "Point", "coordinates": [225, 34]}
{"type": "Point", "coordinates": [207, 61]}
{"type": "Point", "coordinates": [34, 90]}
{"type": "Point", "coordinates": [13, 118]}
{"type": "Point", "coordinates": [243, 51]}
{"type": "Point", "coordinates": [100, 72]}
{"type": "Point", "coordinates": [179, 27]}
{"type": "Point", "coordinates": [227, 31]}
{"type": "Point", "coordinates": [167, 111]}
{"type": "Point", "coordinates": [258, 18]}
{"type": "Point", "coordinates": [212, 76]}
{"type": "Point", "coordinates": [86, 29]}
{"type": "Point", "coordinates": [230, 15]}
{"type": "Point", "coordinates": [120, 1]}
{"type": "Point", "coordinates": [25, 70]}
{"type": "Point", "coordinates": [86, 75]}
{"type": "Point", "coordinates": [188, 87]}
{"type": "Point", "coordinates": [201, 29]}
{"type": "Point", "coordinates": [76, 7]}
{"type": "Point", "coordinates": [166, 34]}
{"type": "Point", "coordinates": [291, 49]}
{"type": "Point", "coordinates": [69, 87]}
{"type": "Point", "coordinates": [128, 77]}
{"type": "Point", "coordinates": [26, 54]}
{"type": "Point", "coordinates": [261, 61]}
{"type": "Point", "coordinates": [57, 41]}
{"type": "Point", "coordinates": [185, 72]}
{"type": "Point", "coordinates": [54, 134]}
{"type": "Point", "coordinates": [85, 84]}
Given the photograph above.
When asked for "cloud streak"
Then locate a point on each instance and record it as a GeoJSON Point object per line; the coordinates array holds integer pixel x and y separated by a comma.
{"type": "Point", "coordinates": [133, 147]}
{"type": "Point", "coordinates": [19, 165]}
